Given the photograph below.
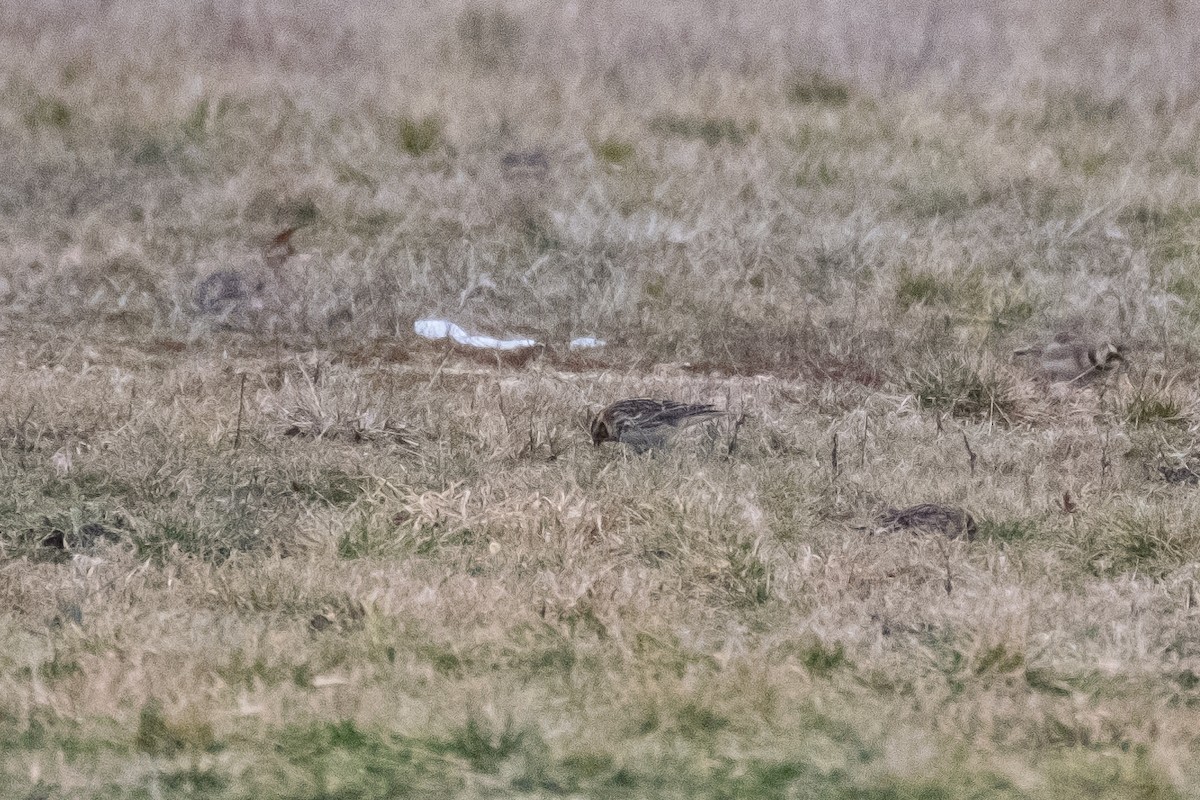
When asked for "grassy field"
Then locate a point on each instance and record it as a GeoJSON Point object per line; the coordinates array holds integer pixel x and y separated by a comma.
{"type": "Point", "coordinates": [289, 549]}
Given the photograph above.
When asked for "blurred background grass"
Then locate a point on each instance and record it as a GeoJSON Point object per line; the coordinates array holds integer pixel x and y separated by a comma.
{"type": "Point", "coordinates": [789, 187]}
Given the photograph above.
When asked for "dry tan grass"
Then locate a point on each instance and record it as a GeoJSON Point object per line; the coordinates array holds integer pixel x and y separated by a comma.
{"type": "Point", "coordinates": [508, 600]}
{"type": "Point", "coordinates": [291, 550]}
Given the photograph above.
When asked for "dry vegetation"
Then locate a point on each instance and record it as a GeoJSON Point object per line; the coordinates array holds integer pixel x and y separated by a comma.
{"type": "Point", "coordinates": [283, 548]}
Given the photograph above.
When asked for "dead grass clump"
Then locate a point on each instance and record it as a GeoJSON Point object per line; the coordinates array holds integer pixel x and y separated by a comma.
{"type": "Point", "coordinates": [965, 388]}
{"type": "Point", "coordinates": [1143, 541]}
{"type": "Point", "coordinates": [418, 136]}
{"type": "Point", "coordinates": [314, 423]}
{"type": "Point", "coordinates": [317, 405]}
{"type": "Point", "coordinates": [1155, 402]}
{"type": "Point", "coordinates": [816, 87]}
{"type": "Point", "coordinates": [960, 291]}
{"type": "Point", "coordinates": [491, 36]}
{"type": "Point", "coordinates": [615, 151]}
{"type": "Point", "coordinates": [743, 573]}
{"type": "Point", "coordinates": [709, 130]}
{"type": "Point", "coordinates": [207, 537]}
{"type": "Point", "coordinates": [1009, 530]}
{"type": "Point", "coordinates": [48, 112]}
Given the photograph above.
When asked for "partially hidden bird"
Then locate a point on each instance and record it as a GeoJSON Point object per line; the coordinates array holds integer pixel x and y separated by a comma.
{"type": "Point", "coordinates": [1075, 358]}
{"type": "Point", "coordinates": [950, 521]}
{"type": "Point", "coordinates": [642, 423]}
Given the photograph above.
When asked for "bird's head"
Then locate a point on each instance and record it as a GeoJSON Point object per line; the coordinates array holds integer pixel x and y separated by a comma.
{"type": "Point", "coordinates": [599, 430]}
{"type": "Point", "coordinates": [1109, 355]}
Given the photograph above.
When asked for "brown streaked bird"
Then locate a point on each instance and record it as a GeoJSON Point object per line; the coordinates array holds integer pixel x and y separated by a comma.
{"type": "Point", "coordinates": [238, 296]}
{"type": "Point", "coordinates": [643, 423]}
{"type": "Point", "coordinates": [227, 290]}
{"type": "Point", "coordinates": [533, 164]}
{"type": "Point", "coordinates": [280, 248]}
{"type": "Point", "coordinates": [950, 521]}
{"type": "Point", "coordinates": [1073, 358]}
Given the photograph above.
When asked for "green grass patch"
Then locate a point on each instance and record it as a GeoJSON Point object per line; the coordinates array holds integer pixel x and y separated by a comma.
{"type": "Point", "coordinates": [710, 130]}
{"type": "Point", "coordinates": [338, 759]}
{"type": "Point", "coordinates": [809, 88]}
{"type": "Point", "coordinates": [159, 736]}
{"type": "Point", "coordinates": [1171, 230]}
{"type": "Point", "coordinates": [418, 136]}
{"type": "Point", "coordinates": [49, 112]}
{"type": "Point", "coordinates": [1187, 289]}
{"type": "Point", "coordinates": [1148, 405]}
{"type": "Point", "coordinates": [1079, 107]}
{"type": "Point", "coordinates": [614, 151]}
{"type": "Point", "coordinates": [1145, 541]}
{"type": "Point", "coordinates": [341, 758]}
{"type": "Point", "coordinates": [486, 746]}
{"type": "Point", "coordinates": [922, 288]}
{"type": "Point", "coordinates": [939, 196]}
{"type": "Point", "coordinates": [168, 537]}
{"type": "Point", "coordinates": [491, 36]}
{"type": "Point", "coordinates": [964, 292]}
{"type": "Point", "coordinates": [1010, 530]}
{"type": "Point", "coordinates": [964, 389]}
{"type": "Point", "coordinates": [817, 174]}
{"type": "Point", "coordinates": [331, 487]}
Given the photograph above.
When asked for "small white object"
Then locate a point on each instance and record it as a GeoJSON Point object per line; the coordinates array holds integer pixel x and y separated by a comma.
{"type": "Point", "coordinates": [434, 328]}
{"type": "Point", "coordinates": [84, 565]}
{"type": "Point", "coordinates": [248, 709]}
{"type": "Point", "coordinates": [321, 681]}
{"type": "Point", "coordinates": [489, 343]}
{"type": "Point", "coordinates": [586, 343]}
{"type": "Point", "coordinates": [441, 329]}
{"type": "Point", "coordinates": [61, 461]}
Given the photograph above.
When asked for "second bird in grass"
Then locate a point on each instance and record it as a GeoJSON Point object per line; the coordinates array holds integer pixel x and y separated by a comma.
{"type": "Point", "coordinates": [950, 521]}
{"type": "Point", "coordinates": [1075, 358]}
{"type": "Point", "coordinates": [642, 423]}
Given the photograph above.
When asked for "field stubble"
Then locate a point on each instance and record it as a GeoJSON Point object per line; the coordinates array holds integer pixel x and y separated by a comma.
{"type": "Point", "coordinates": [282, 548]}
